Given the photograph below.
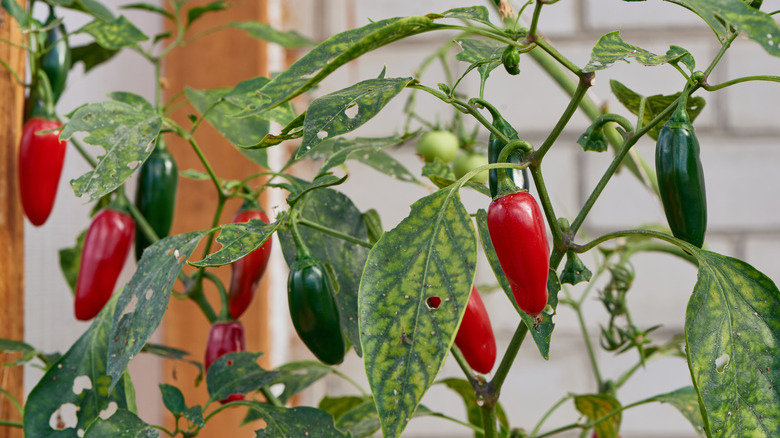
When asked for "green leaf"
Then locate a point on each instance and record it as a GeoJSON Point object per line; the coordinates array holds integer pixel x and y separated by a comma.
{"type": "Point", "coordinates": [321, 181]}
{"type": "Point", "coordinates": [75, 389]}
{"type": "Point", "coordinates": [91, 7]}
{"type": "Point", "coordinates": [11, 346]}
{"type": "Point", "coordinates": [123, 424]}
{"type": "Point", "coordinates": [295, 422]}
{"type": "Point", "coordinates": [541, 333]}
{"type": "Point", "coordinates": [687, 402]}
{"type": "Point", "coordinates": [475, 13]}
{"type": "Point", "coordinates": [331, 54]}
{"type": "Point", "coordinates": [346, 110]}
{"type": "Point", "coordinates": [595, 406]}
{"type": "Point", "coordinates": [240, 132]}
{"type": "Point", "coordinates": [295, 377]}
{"type": "Point", "coordinates": [366, 150]}
{"type": "Point", "coordinates": [70, 259]}
{"type": "Point", "coordinates": [195, 416]}
{"type": "Point", "coordinates": [721, 15]}
{"type": "Point", "coordinates": [338, 406]}
{"type": "Point", "coordinates": [244, 96]}
{"type": "Point", "coordinates": [654, 105]}
{"type": "Point", "coordinates": [126, 128]}
{"type": "Point", "coordinates": [238, 240]}
{"type": "Point", "coordinates": [686, 59]}
{"type": "Point", "coordinates": [610, 48]}
{"type": "Point", "coordinates": [237, 372]}
{"type": "Point", "coordinates": [732, 337]}
{"type": "Point", "coordinates": [91, 55]}
{"type": "Point", "coordinates": [164, 352]}
{"type": "Point", "coordinates": [198, 11]}
{"type": "Point", "coordinates": [17, 11]}
{"type": "Point", "coordinates": [432, 252]}
{"type": "Point", "coordinates": [115, 34]}
{"type": "Point", "coordinates": [438, 168]}
{"type": "Point", "coordinates": [575, 271]}
{"type": "Point", "coordinates": [289, 39]}
{"type": "Point", "coordinates": [194, 174]}
{"type": "Point", "coordinates": [594, 139]}
{"type": "Point", "coordinates": [144, 300]}
{"type": "Point", "coordinates": [150, 8]}
{"type": "Point", "coordinates": [335, 210]}
{"type": "Point", "coordinates": [473, 411]}
{"type": "Point", "coordinates": [173, 399]}
{"type": "Point", "coordinates": [485, 55]}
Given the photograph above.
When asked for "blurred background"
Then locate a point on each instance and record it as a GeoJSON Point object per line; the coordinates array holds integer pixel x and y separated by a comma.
{"type": "Point", "coordinates": [738, 131]}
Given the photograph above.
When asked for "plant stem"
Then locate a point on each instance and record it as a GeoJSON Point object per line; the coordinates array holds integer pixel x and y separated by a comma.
{"type": "Point", "coordinates": [586, 81]}
{"type": "Point", "coordinates": [591, 352]}
{"type": "Point", "coordinates": [142, 223]}
{"type": "Point", "coordinates": [509, 358]}
{"type": "Point", "coordinates": [535, 19]}
{"type": "Point", "coordinates": [455, 420]}
{"type": "Point", "coordinates": [741, 80]}
{"type": "Point", "coordinates": [627, 233]}
{"type": "Point", "coordinates": [559, 430]}
{"type": "Point", "coordinates": [270, 397]}
{"type": "Point", "coordinates": [547, 207]}
{"type": "Point", "coordinates": [334, 233]}
{"type": "Point", "coordinates": [464, 365]}
{"type": "Point", "coordinates": [13, 401]}
{"type": "Point", "coordinates": [83, 152]}
{"type": "Point", "coordinates": [549, 412]}
{"type": "Point", "coordinates": [224, 313]}
{"type": "Point", "coordinates": [489, 420]}
{"type": "Point", "coordinates": [725, 46]}
{"type": "Point", "coordinates": [351, 382]}
{"type": "Point", "coordinates": [11, 423]}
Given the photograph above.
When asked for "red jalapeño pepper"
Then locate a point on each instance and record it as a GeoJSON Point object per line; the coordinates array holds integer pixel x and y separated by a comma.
{"type": "Point", "coordinates": [247, 272]}
{"type": "Point", "coordinates": [224, 338]}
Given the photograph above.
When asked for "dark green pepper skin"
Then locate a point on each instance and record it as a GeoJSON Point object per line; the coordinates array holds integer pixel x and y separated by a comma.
{"type": "Point", "coordinates": [155, 198]}
{"type": "Point", "coordinates": [495, 145]}
{"type": "Point", "coordinates": [56, 62]}
{"type": "Point", "coordinates": [511, 60]}
{"type": "Point", "coordinates": [313, 310]}
{"type": "Point", "coordinates": [681, 179]}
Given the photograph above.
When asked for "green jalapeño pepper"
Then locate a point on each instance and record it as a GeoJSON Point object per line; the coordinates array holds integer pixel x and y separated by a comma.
{"type": "Point", "coordinates": [156, 194]}
{"type": "Point", "coordinates": [56, 60]}
{"type": "Point", "coordinates": [681, 177]}
{"type": "Point", "coordinates": [519, 177]}
{"type": "Point", "coordinates": [313, 309]}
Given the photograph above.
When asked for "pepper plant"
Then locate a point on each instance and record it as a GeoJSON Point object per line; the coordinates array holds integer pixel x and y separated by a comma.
{"type": "Point", "coordinates": [398, 297]}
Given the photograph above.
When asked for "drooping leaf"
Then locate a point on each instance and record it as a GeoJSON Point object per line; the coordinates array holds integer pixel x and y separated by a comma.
{"type": "Point", "coordinates": [12, 346]}
{"type": "Point", "coordinates": [320, 182]}
{"type": "Point", "coordinates": [17, 11]}
{"type": "Point", "coordinates": [346, 110]}
{"type": "Point", "coordinates": [235, 373]}
{"type": "Point", "coordinates": [70, 259]}
{"type": "Point", "coordinates": [732, 337]}
{"type": "Point", "coordinates": [91, 7]}
{"type": "Point", "coordinates": [126, 128]}
{"type": "Point", "coordinates": [654, 105]}
{"type": "Point", "coordinates": [431, 253]}
{"type": "Point", "coordinates": [240, 239]}
{"type": "Point", "coordinates": [366, 150]}
{"type": "Point", "coordinates": [720, 15]}
{"type": "Point", "coordinates": [75, 390]}
{"type": "Point", "coordinates": [686, 59]}
{"type": "Point", "coordinates": [289, 39]}
{"type": "Point", "coordinates": [295, 422]}
{"type": "Point", "coordinates": [144, 300]}
{"type": "Point", "coordinates": [686, 401]}
{"type": "Point", "coordinates": [92, 55]}
{"type": "Point", "coordinates": [198, 11]}
{"type": "Point", "coordinates": [115, 34]}
{"type": "Point", "coordinates": [485, 55]}
{"type": "Point", "coordinates": [575, 271]}
{"type": "Point", "coordinates": [122, 424]}
{"type": "Point", "coordinates": [595, 406]}
{"type": "Point", "coordinates": [335, 210]}
{"type": "Point", "coordinates": [331, 54]}
{"type": "Point", "coordinates": [594, 139]}
{"type": "Point", "coordinates": [541, 333]}
{"type": "Point", "coordinates": [149, 8]}
{"type": "Point", "coordinates": [611, 48]}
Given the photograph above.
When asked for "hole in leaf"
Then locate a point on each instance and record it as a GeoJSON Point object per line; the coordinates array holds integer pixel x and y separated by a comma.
{"type": "Point", "coordinates": [352, 111]}
{"type": "Point", "coordinates": [230, 362]}
{"type": "Point", "coordinates": [722, 362]}
{"type": "Point", "coordinates": [433, 302]}
{"type": "Point", "coordinates": [109, 411]}
{"type": "Point", "coordinates": [322, 135]}
{"type": "Point", "coordinates": [134, 164]}
{"type": "Point", "coordinates": [149, 294]}
{"type": "Point", "coordinates": [81, 383]}
{"type": "Point", "coordinates": [64, 417]}
{"type": "Point", "coordinates": [130, 307]}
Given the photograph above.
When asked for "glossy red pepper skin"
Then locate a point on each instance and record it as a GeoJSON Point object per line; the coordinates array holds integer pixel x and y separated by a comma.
{"type": "Point", "coordinates": [224, 338]}
{"type": "Point", "coordinates": [475, 337]}
{"type": "Point", "coordinates": [41, 157]}
{"type": "Point", "coordinates": [106, 246]}
{"type": "Point", "coordinates": [247, 272]}
{"type": "Point", "coordinates": [517, 231]}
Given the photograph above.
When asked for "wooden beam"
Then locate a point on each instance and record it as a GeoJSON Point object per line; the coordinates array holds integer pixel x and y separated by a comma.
{"type": "Point", "coordinates": [11, 219]}
{"type": "Point", "coordinates": [220, 60]}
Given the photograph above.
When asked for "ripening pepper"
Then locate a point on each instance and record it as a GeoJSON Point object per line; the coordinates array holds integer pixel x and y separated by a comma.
{"type": "Point", "coordinates": [106, 246]}
{"type": "Point", "coordinates": [41, 157]}
{"type": "Point", "coordinates": [155, 197]}
{"type": "Point", "coordinates": [224, 338]}
{"type": "Point", "coordinates": [56, 60]}
{"type": "Point", "coordinates": [247, 272]}
{"type": "Point", "coordinates": [475, 337]}
{"type": "Point", "coordinates": [313, 309]}
{"type": "Point", "coordinates": [681, 177]}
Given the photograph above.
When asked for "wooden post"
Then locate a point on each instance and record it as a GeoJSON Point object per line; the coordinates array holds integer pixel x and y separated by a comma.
{"type": "Point", "coordinates": [11, 219]}
{"type": "Point", "coordinates": [221, 60]}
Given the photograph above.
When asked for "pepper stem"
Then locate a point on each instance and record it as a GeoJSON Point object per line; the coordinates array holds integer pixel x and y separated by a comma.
{"type": "Point", "coordinates": [303, 251]}
{"type": "Point", "coordinates": [505, 184]}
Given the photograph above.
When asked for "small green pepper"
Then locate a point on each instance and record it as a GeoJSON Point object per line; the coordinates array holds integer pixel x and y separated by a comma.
{"type": "Point", "coordinates": [56, 61]}
{"type": "Point", "coordinates": [156, 195]}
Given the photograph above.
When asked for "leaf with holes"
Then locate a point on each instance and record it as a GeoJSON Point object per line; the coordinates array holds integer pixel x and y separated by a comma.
{"type": "Point", "coordinates": [484, 55]}
{"type": "Point", "coordinates": [335, 210]}
{"type": "Point", "coordinates": [732, 337]}
{"type": "Point", "coordinates": [126, 128]}
{"type": "Point", "coordinates": [240, 239]}
{"type": "Point", "coordinates": [331, 54]}
{"type": "Point", "coordinates": [346, 110]}
{"type": "Point", "coordinates": [721, 15]}
{"type": "Point", "coordinates": [244, 97]}
{"type": "Point", "coordinates": [654, 105]}
{"type": "Point", "coordinates": [294, 422]}
{"type": "Point", "coordinates": [123, 424]}
{"type": "Point", "coordinates": [115, 34]}
{"type": "Point", "coordinates": [289, 39]}
{"type": "Point", "coordinates": [542, 333]}
{"type": "Point", "coordinates": [366, 150]}
{"type": "Point", "coordinates": [686, 401]}
{"type": "Point", "coordinates": [596, 406]}
{"type": "Point", "coordinates": [431, 253]}
{"type": "Point", "coordinates": [75, 389]}
{"type": "Point", "coordinates": [611, 48]}
{"type": "Point", "coordinates": [144, 300]}
{"type": "Point", "coordinates": [235, 373]}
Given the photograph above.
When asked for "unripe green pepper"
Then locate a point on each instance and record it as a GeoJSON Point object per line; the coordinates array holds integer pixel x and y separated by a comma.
{"type": "Point", "coordinates": [56, 61]}
{"type": "Point", "coordinates": [511, 60]}
{"type": "Point", "coordinates": [495, 145]}
{"type": "Point", "coordinates": [681, 177]}
{"type": "Point", "coordinates": [155, 197]}
{"type": "Point", "coordinates": [313, 309]}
